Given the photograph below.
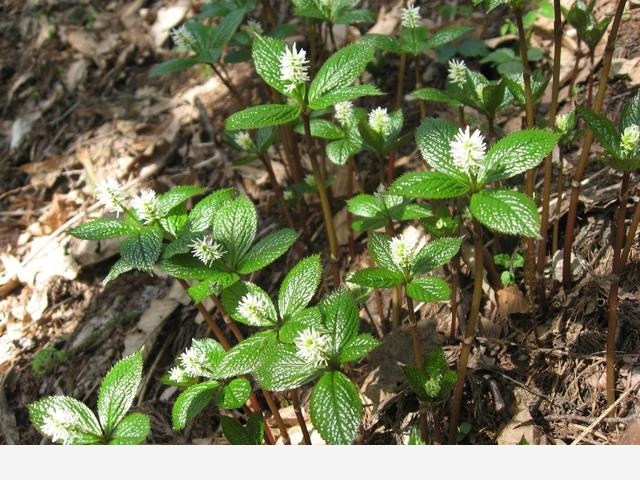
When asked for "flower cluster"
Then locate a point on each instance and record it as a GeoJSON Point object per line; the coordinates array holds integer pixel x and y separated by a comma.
{"type": "Point", "coordinates": [457, 72]}
{"type": "Point", "coordinates": [183, 38]}
{"type": "Point", "coordinates": [253, 308]}
{"type": "Point", "coordinates": [379, 120]}
{"type": "Point", "coordinates": [206, 250]}
{"type": "Point", "coordinates": [244, 141]}
{"type": "Point", "coordinates": [468, 150]}
{"type": "Point", "coordinates": [252, 28]}
{"type": "Point", "coordinates": [191, 364]}
{"type": "Point", "coordinates": [562, 123]}
{"type": "Point", "coordinates": [146, 205]}
{"type": "Point", "coordinates": [410, 16]}
{"type": "Point", "coordinates": [294, 67]}
{"type": "Point", "coordinates": [403, 251]}
{"type": "Point", "coordinates": [313, 346]}
{"type": "Point", "coordinates": [344, 113]}
{"type": "Point", "coordinates": [111, 194]}
{"type": "Point", "coordinates": [629, 139]}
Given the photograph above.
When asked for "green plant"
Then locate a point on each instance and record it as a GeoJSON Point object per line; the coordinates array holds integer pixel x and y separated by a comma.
{"type": "Point", "coordinates": [69, 421]}
{"type": "Point", "coordinates": [622, 146]}
{"type": "Point", "coordinates": [510, 263]}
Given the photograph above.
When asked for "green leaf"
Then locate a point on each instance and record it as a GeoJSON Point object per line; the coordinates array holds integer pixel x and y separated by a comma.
{"type": "Point", "coordinates": [212, 284]}
{"type": "Point", "coordinates": [227, 27]}
{"type": "Point", "coordinates": [191, 402]}
{"type": "Point", "coordinates": [516, 153]}
{"type": "Point", "coordinates": [343, 94]}
{"type": "Point", "coordinates": [447, 35]}
{"type": "Point", "coordinates": [176, 196]}
{"type": "Point", "coordinates": [302, 320]}
{"type": "Point", "coordinates": [281, 368]}
{"type": "Point", "coordinates": [251, 434]}
{"type": "Point", "coordinates": [429, 185]}
{"type": "Point", "coordinates": [118, 389]}
{"type": "Point", "coordinates": [340, 70]}
{"type": "Point", "coordinates": [299, 286]}
{"type": "Point", "coordinates": [132, 430]}
{"type": "Point", "coordinates": [118, 269]}
{"type": "Point", "coordinates": [174, 65]}
{"type": "Point", "coordinates": [264, 312]}
{"type": "Point", "coordinates": [506, 212]}
{"type": "Point", "coordinates": [377, 277]}
{"type": "Point", "coordinates": [417, 379]}
{"type": "Point", "coordinates": [434, 141]}
{"type": "Point", "coordinates": [340, 318]}
{"type": "Point", "coordinates": [235, 226]}
{"type": "Point", "coordinates": [142, 249]}
{"type": "Point", "coordinates": [268, 115]}
{"type": "Point", "coordinates": [324, 129]}
{"type": "Point", "coordinates": [350, 17]}
{"type": "Point", "coordinates": [77, 424]}
{"type": "Point", "coordinates": [428, 289]}
{"type": "Point", "coordinates": [336, 409]}
{"type": "Point", "coordinates": [414, 437]}
{"type": "Point", "coordinates": [266, 54]}
{"type": "Point", "coordinates": [340, 151]}
{"type": "Point", "coordinates": [630, 113]}
{"type": "Point", "coordinates": [365, 205]}
{"type": "Point", "coordinates": [267, 250]}
{"type": "Point", "coordinates": [409, 211]}
{"type": "Point", "coordinates": [245, 356]}
{"type": "Point", "coordinates": [435, 95]}
{"type": "Point", "coordinates": [100, 229]}
{"type": "Point", "coordinates": [174, 222]}
{"type": "Point", "coordinates": [358, 347]}
{"type": "Point", "coordinates": [201, 215]}
{"type": "Point", "coordinates": [185, 267]}
{"type": "Point", "coordinates": [234, 394]}
{"type": "Point", "coordinates": [435, 254]}
{"type": "Point", "coordinates": [602, 129]}
{"type": "Point", "coordinates": [380, 248]}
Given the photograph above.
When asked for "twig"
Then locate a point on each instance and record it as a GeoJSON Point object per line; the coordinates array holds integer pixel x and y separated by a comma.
{"type": "Point", "coordinates": [604, 414]}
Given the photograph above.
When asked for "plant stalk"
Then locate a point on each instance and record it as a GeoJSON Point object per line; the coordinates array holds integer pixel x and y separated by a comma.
{"type": "Point", "coordinates": [469, 334]}
{"type": "Point", "coordinates": [616, 271]}
{"type": "Point", "coordinates": [422, 103]}
{"type": "Point", "coordinates": [416, 343]}
{"type": "Point", "coordinates": [334, 249]}
{"type": "Point", "coordinates": [227, 83]}
{"type": "Point", "coordinates": [297, 408]}
{"type": "Point", "coordinates": [631, 234]}
{"type": "Point", "coordinates": [560, 194]}
{"type": "Point", "coordinates": [548, 162]}
{"type": "Point", "coordinates": [401, 73]}
{"type": "Point", "coordinates": [455, 287]}
{"type": "Point", "coordinates": [587, 140]}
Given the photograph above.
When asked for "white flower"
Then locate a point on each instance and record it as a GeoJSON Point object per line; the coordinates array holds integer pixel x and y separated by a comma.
{"type": "Point", "coordinates": [111, 194]}
{"type": "Point", "coordinates": [410, 16]}
{"type": "Point", "coordinates": [183, 38]}
{"type": "Point", "coordinates": [457, 72]}
{"type": "Point", "coordinates": [403, 251]}
{"type": "Point", "coordinates": [379, 120]}
{"type": "Point", "coordinates": [192, 361]}
{"type": "Point", "coordinates": [179, 375]}
{"type": "Point", "coordinates": [206, 250]}
{"type": "Point", "coordinates": [294, 67]}
{"type": "Point", "coordinates": [562, 123]}
{"type": "Point", "coordinates": [252, 27]}
{"type": "Point", "coordinates": [468, 150]}
{"type": "Point", "coordinates": [146, 205]}
{"type": "Point", "coordinates": [244, 141]}
{"type": "Point", "coordinates": [313, 346]}
{"type": "Point", "coordinates": [253, 308]}
{"type": "Point", "coordinates": [57, 425]}
{"type": "Point", "coordinates": [344, 113]}
{"type": "Point", "coordinates": [629, 139]}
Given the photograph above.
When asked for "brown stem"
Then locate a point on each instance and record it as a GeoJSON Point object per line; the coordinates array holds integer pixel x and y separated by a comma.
{"type": "Point", "coordinates": [548, 162]}
{"type": "Point", "coordinates": [297, 408]}
{"type": "Point", "coordinates": [631, 234]}
{"type": "Point", "coordinates": [224, 341]}
{"type": "Point", "coordinates": [416, 343]}
{"type": "Point", "coordinates": [313, 46]}
{"type": "Point", "coordinates": [616, 271]}
{"type": "Point", "coordinates": [352, 240]}
{"type": "Point", "coordinates": [560, 194]}
{"type": "Point", "coordinates": [396, 292]}
{"type": "Point", "coordinates": [587, 140]}
{"type": "Point", "coordinates": [266, 161]}
{"type": "Point", "coordinates": [590, 81]}
{"type": "Point", "coordinates": [400, 89]}
{"type": "Point", "coordinates": [227, 83]}
{"type": "Point", "coordinates": [267, 13]}
{"type": "Point", "coordinates": [391, 164]}
{"type": "Point", "coordinates": [455, 286]}
{"type": "Point", "coordinates": [469, 334]}
{"type": "Point", "coordinates": [334, 248]}
{"type": "Point", "coordinates": [576, 66]}
{"type": "Point", "coordinates": [422, 103]}
{"type": "Point", "coordinates": [461, 120]}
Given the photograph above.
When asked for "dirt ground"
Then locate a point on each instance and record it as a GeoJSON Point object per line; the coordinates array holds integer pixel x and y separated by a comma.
{"type": "Point", "coordinates": [78, 105]}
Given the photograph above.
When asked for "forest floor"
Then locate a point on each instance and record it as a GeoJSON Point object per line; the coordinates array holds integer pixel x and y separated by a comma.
{"type": "Point", "coordinates": [78, 106]}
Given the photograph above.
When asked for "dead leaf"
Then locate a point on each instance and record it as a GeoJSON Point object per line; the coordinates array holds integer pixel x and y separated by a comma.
{"type": "Point", "coordinates": [511, 300]}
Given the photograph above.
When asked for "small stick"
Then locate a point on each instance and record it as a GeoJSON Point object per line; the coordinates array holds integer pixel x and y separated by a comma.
{"type": "Point", "coordinates": [604, 414]}
{"type": "Point", "coordinates": [297, 408]}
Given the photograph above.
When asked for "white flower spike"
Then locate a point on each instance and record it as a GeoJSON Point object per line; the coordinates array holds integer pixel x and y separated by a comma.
{"type": "Point", "coordinates": [344, 113]}
{"type": "Point", "coordinates": [468, 150]}
{"type": "Point", "coordinates": [562, 123]}
{"type": "Point", "coordinates": [183, 38]}
{"type": "Point", "coordinates": [403, 251]}
{"type": "Point", "coordinates": [294, 67]}
{"type": "Point", "coordinates": [192, 362]}
{"type": "Point", "coordinates": [146, 205]}
{"type": "Point", "coordinates": [313, 346]}
{"type": "Point", "coordinates": [457, 72]}
{"type": "Point", "coordinates": [379, 120]}
{"type": "Point", "coordinates": [244, 141]}
{"type": "Point", "coordinates": [253, 308]}
{"type": "Point", "coordinates": [178, 375]}
{"type": "Point", "coordinates": [410, 16]}
{"type": "Point", "coordinates": [629, 139]}
{"type": "Point", "coordinates": [111, 194]}
{"type": "Point", "coordinates": [207, 250]}
{"type": "Point", "coordinates": [252, 28]}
